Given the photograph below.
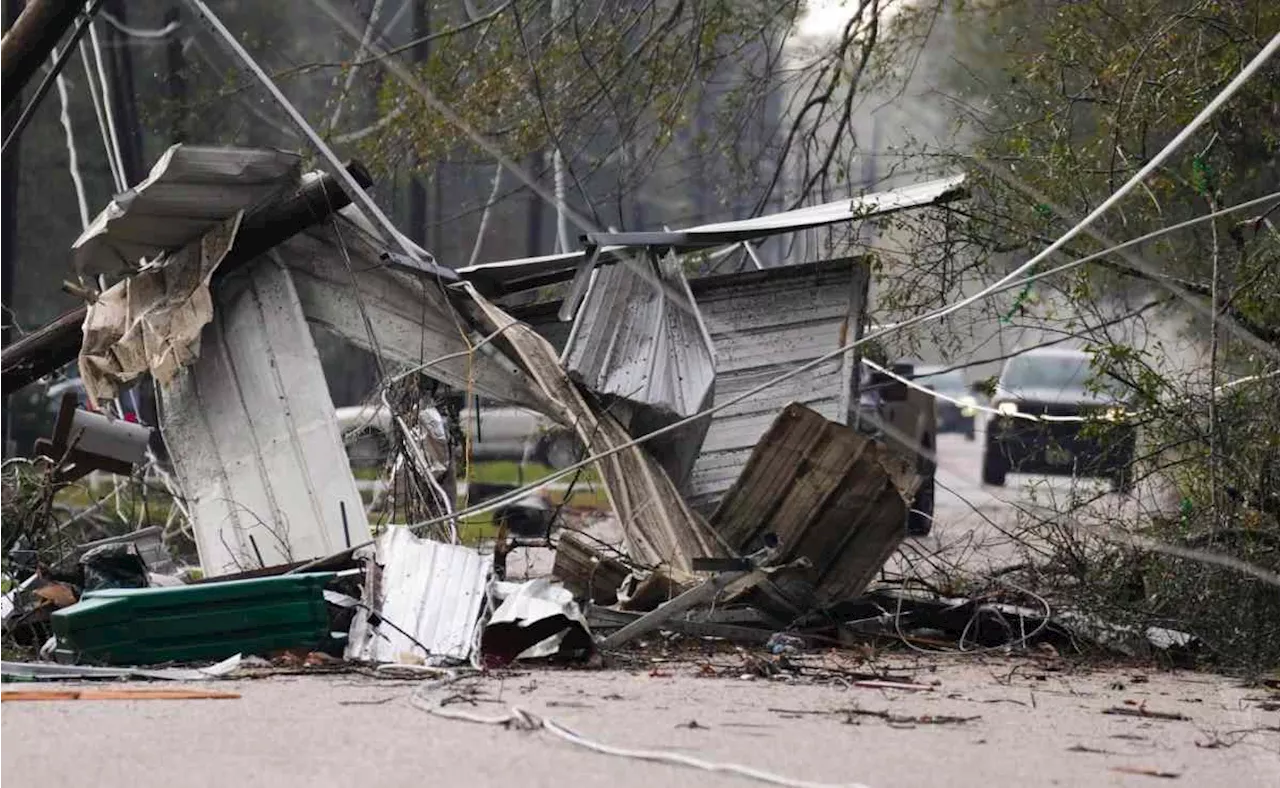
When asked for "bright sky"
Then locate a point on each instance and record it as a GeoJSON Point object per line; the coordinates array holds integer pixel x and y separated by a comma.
{"type": "Point", "coordinates": [828, 17]}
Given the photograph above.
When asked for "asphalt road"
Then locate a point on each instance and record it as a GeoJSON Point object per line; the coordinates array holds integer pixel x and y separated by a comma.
{"type": "Point", "coordinates": [1017, 723]}
{"type": "Point", "coordinates": [978, 527]}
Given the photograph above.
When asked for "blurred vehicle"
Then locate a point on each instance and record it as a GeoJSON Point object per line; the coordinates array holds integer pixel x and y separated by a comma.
{"type": "Point", "coordinates": [1056, 383]}
{"type": "Point", "coordinates": [952, 417]}
{"type": "Point", "coordinates": [905, 420]}
{"type": "Point", "coordinates": [498, 432]}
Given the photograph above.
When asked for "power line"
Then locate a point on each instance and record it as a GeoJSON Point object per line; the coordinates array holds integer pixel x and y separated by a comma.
{"type": "Point", "coordinates": [1140, 240]}
{"type": "Point", "coordinates": [1106, 205]}
{"type": "Point", "coordinates": [137, 32]}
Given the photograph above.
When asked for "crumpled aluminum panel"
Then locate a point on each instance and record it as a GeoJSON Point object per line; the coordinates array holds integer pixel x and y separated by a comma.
{"type": "Point", "coordinates": [639, 336]}
{"type": "Point", "coordinates": [189, 190]}
{"type": "Point", "coordinates": [341, 281]}
{"type": "Point", "coordinates": [429, 589]}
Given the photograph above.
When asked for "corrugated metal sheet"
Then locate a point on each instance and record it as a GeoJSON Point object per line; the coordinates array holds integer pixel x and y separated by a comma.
{"type": "Point", "coordinates": [508, 276]}
{"type": "Point", "coordinates": [763, 323]}
{"type": "Point", "coordinates": [337, 272]}
{"type": "Point", "coordinates": [659, 528]}
{"type": "Point", "coordinates": [828, 493]}
{"type": "Point", "coordinates": [432, 590]}
{"type": "Point", "coordinates": [640, 338]}
{"type": "Point", "coordinates": [189, 190]}
{"type": "Point", "coordinates": [253, 436]}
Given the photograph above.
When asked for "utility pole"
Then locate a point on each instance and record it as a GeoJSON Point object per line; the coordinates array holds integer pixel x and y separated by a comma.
{"type": "Point", "coordinates": [557, 158]}
{"type": "Point", "coordinates": [9, 178]}
{"type": "Point", "coordinates": [417, 190]}
{"type": "Point", "coordinates": [533, 232]}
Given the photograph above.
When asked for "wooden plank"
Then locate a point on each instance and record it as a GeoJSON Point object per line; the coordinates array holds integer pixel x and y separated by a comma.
{"type": "Point", "coordinates": [585, 571]}
{"type": "Point", "coordinates": [830, 494]}
{"type": "Point", "coordinates": [116, 694]}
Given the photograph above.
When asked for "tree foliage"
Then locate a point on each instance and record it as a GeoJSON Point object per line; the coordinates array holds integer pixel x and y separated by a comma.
{"type": "Point", "coordinates": [1060, 102]}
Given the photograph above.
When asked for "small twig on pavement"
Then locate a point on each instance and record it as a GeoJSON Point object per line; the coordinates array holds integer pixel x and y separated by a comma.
{"type": "Point", "coordinates": [1146, 772]}
{"type": "Point", "coordinates": [1145, 713]}
{"type": "Point", "coordinates": [902, 719]}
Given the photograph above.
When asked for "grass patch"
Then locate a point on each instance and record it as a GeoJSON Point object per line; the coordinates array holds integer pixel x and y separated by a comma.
{"type": "Point", "coordinates": [508, 472]}
{"type": "Point", "coordinates": [129, 505]}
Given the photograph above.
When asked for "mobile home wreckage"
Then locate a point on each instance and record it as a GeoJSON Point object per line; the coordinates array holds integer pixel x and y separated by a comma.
{"type": "Point", "coordinates": [717, 411]}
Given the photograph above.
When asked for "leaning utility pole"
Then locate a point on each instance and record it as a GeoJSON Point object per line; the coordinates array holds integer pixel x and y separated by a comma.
{"type": "Point", "coordinates": [56, 344]}
{"type": "Point", "coordinates": [29, 41]}
{"type": "Point", "coordinates": [9, 175]}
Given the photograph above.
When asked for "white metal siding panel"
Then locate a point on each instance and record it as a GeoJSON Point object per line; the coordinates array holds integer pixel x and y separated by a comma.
{"type": "Point", "coordinates": [430, 589]}
{"type": "Point", "coordinates": [764, 324]}
{"type": "Point", "coordinates": [411, 319]}
{"type": "Point", "coordinates": [253, 434]}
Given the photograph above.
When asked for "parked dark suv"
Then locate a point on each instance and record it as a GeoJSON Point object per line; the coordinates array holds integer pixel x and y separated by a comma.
{"type": "Point", "coordinates": [909, 414]}
{"type": "Point", "coordinates": [952, 417]}
{"type": "Point", "coordinates": [1056, 384]}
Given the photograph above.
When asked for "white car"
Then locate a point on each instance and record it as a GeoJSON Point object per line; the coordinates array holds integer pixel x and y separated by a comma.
{"type": "Point", "coordinates": [497, 432]}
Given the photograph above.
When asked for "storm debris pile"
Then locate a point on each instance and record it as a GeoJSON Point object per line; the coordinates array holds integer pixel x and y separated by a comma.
{"type": "Point", "coordinates": [741, 515]}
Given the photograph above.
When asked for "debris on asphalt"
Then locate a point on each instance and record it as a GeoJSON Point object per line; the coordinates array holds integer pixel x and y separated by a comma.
{"type": "Point", "coordinates": [782, 643]}
{"type": "Point", "coordinates": [421, 600]}
{"type": "Point", "coordinates": [147, 626]}
{"type": "Point", "coordinates": [1146, 771]}
{"type": "Point", "coordinates": [728, 583]}
{"type": "Point", "coordinates": [896, 685]}
{"type": "Point", "coordinates": [904, 720]}
{"type": "Point", "coordinates": [536, 620]}
{"type": "Point", "coordinates": [1145, 713]}
{"type": "Point", "coordinates": [825, 493]}
{"type": "Point", "coordinates": [48, 671]}
{"type": "Point", "coordinates": [761, 528]}
{"type": "Point", "coordinates": [119, 694]}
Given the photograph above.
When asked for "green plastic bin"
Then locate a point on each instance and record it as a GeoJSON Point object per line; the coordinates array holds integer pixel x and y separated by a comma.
{"type": "Point", "coordinates": [210, 621]}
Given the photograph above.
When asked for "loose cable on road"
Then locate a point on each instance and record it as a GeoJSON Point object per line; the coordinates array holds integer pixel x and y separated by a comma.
{"type": "Point", "coordinates": [525, 720]}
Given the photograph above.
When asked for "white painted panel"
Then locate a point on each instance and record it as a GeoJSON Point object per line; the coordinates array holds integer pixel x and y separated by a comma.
{"type": "Point", "coordinates": [431, 590]}
{"type": "Point", "coordinates": [253, 435]}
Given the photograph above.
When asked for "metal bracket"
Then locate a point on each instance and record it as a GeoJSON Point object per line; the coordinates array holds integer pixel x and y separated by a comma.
{"type": "Point", "coordinates": [578, 288]}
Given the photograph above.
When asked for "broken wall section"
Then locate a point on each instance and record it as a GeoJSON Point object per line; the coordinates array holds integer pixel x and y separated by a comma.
{"type": "Point", "coordinates": [253, 436]}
